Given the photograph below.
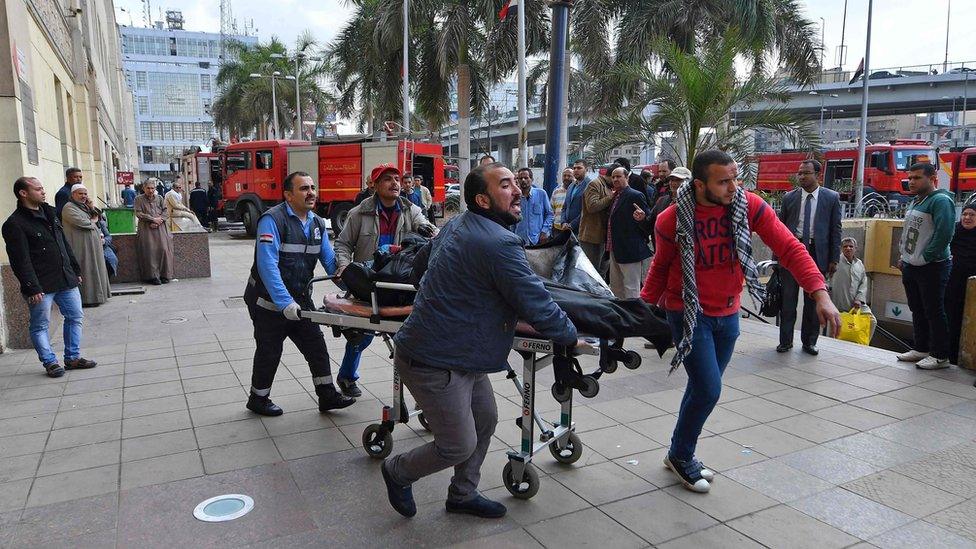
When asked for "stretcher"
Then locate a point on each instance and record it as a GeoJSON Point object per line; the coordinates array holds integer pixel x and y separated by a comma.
{"type": "Point", "coordinates": [351, 319]}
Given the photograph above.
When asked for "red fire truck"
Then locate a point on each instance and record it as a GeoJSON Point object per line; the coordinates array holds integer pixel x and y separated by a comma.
{"type": "Point", "coordinates": [200, 167]}
{"type": "Point", "coordinates": [253, 173]}
{"type": "Point", "coordinates": [885, 173]}
{"type": "Point", "coordinates": [960, 166]}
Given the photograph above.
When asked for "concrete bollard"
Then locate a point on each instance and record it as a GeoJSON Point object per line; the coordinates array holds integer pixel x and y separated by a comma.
{"type": "Point", "coordinates": [967, 338]}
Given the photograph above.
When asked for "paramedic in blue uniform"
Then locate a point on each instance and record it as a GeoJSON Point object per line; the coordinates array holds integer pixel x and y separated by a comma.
{"type": "Point", "coordinates": [291, 239]}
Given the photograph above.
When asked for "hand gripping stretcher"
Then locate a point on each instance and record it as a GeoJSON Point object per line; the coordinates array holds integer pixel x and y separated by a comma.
{"type": "Point", "coordinates": [356, 318]}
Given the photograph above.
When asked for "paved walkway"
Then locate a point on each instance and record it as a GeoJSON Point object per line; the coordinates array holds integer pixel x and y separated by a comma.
{"type": "Point", "coordinates": [836, 451]}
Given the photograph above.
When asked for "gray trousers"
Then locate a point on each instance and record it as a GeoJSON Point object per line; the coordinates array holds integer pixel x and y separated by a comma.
{"type": "Point", "coordinates": [460, 407]}
{"type": "Point", "coordinates": [594, 252]}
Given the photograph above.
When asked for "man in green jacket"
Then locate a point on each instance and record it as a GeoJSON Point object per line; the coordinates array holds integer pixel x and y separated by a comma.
{"type": "Point", "coordinates": [925, 265]}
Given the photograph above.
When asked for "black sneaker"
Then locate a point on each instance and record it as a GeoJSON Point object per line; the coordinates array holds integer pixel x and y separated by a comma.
{"type": "Point", "coordinates": [330, 399]}
{"type": "Point", "coordinates": [54, 370]}
{"type": "Point", "coordinates": [164, 280]}
{"type": "Point", "coordinates": [401, 496]}
{"type": "Point", "coordinates": [689, 472]}
{"type": "Point", "coordinates": [349, 387]}
{"type": "Point", "coordinates": [262, 405]}
{"type": "Point", "coordinates": [479, 506]}
{"type": "Point", "coordinates": [79, 364]}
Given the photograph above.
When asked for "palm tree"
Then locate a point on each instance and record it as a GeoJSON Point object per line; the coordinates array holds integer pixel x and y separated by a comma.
{"type": "Point", "coordinates": [365, 70]}
{"type": "Point", "coordinates": [244, 104]}
{"type": "Point", "coordinates": [772, 32]}
{"type": "Point", "coordinates": [696, 97]}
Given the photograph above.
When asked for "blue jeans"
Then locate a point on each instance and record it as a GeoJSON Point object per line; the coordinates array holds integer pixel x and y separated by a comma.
{"type": "Point", "coordinates": [712, 344]}
{"type": "Point", "coordinates": [69, 303]}
{"type": "Point", "coordinates": [349, 370]}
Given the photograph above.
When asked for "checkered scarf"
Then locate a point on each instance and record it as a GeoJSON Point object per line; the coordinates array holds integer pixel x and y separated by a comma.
{"type": "Point", "coordinates": [685, 237]}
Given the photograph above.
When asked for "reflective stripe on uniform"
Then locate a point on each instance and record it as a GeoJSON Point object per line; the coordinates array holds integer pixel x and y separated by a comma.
{"type": "Point", "coordinates": [265, 304]}
{"type": "Point", "coordinates": [324, 380]}
{"type": "Point", "coordinates": [300, 248]}
{"type": "Point", "coordinates": [261, 392]}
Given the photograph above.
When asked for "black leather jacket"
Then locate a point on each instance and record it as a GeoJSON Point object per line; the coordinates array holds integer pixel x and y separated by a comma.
{"type": "Point", "coordinates": [39, 254]}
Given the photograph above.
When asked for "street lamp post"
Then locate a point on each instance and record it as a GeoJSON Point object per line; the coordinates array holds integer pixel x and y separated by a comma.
{"type": "Point", "coordinates": [822, 98]}
{"type": "Point", "coordinates": [274, 97]}
{"type": "Point", "coordinates": [299, 131]}
{"type": "Point", "coordinates": [862, 146]}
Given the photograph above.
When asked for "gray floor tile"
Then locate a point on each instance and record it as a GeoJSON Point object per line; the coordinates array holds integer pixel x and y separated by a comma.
{"type": "Point", "coordinates": [964, 390]}
{"type": "Point", "coordinates": [778, 480]}
{"type": "Point", "coordinates": [79, 457]}
{"type": "Point", "coordinates": [853, 417]}
{"type": "Point", "coordinates": [926, 397]}
{"type": "Point", "coordinates": [228, 433]}
{"type": "Point", "coordinates": [74, 485]}
{"type": "Point", "coordinates": [873, 382]}
{"type": "Point", "coordinates": [154, 424]}
{"type": "Point", "coordinates": [782, 527]}
{"type": "Point", "coordinates": [161, 469]}
{"type": "Point", "coordinates": [760, 409]}
{"type": "Point", "coordinates": [627, 410]}
{"type": "Point", "coordinates": [158, 445]}
{"type": "Point", "coordinates": [20, 445]}
{"type": "Point", "coordinates": [754, 385]}
{"type": "Point", "coordinates": [618, 441]}
{"type": "Point", "coordinates": [922, 534]}
{"type": "Point", "coordinates": [896, 408]}
{"type": "Point", "coordinates": [86, 434]}
{"type": "Point", "coordinates": [837, 390]}
{"type": "Point", "coordinates": [958, 519]}
{"type": "Point", "coordinates": [583, 528]}
{"type": "Point", "coordinates": [800, 399]}
{"type": "Point", "coordinates": [34, 423]}
{"type": "Point", "coordinates": [721, 454]}
{"type": "Point", "coordinates": [957, 479]}
{"type": "Point", "coordinates": [553, 500]}
{"type": "Point", "coordinates": [903, 493]}
{"type": "Point", "coordinates": [87, 416]}
{"type": "Point", "coordinates": [16, 468]}
{"type": "Point", "coordinates": [66, 524]}
{"type": "Point", "coordinates": [716, 536]}
{"type": "Point", "coordinates": [13, 495]}
{"type": "Point", "coordinates": [767, 440]}
{"type": "Point", "coordinates": [829, 465]}
{"type": "Point", "coordinates": [851, 513]}
{"type": "Point", "coordinates": [657, 517]}
{"type": "Point", "coordinates": [917, 435]}
{"type": "Point", "coordinates": [602, 482]}
{"type": "Point", "coordinates": [222, 413]}
{"type": "Point", "coordinates": [152, 406]}
{"type": "Point", "coordinates": [669, 400]}
{"type": "Point", "coordinates": [723, 421]}
{"type": "Point", "coordinates": [133, 379]}
{"type": "Point", "coordinates": [212, 397]}
{"type": "Point", "coordinates": [725, 501]}
{"type": "Point", "coordinates": [91, 400]}
{"type": "Point", "coordinates": [812, 428]}
{"type": "Point", "coordinates": [152, 390]}
{"type": "Point", "coordinates": [91, 385]}
{"type": "Point", "coordinates": [513, 539]}
{"type": "Point", "coordinates": [876, 450]}
{"type": "Point", "coordinates": [239, 456]}
{"type": "Point", "coordinates": [790, 376]}
{"type": "Point", "coordinates": [311, 443]}
{"type": "Point", "coordinates": [649, 466]}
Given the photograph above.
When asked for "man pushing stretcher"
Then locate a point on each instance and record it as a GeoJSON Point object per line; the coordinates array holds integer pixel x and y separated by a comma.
{"type": "Point", "coordinates": [476, 285]}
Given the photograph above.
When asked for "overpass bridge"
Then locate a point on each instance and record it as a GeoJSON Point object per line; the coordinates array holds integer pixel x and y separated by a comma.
{"type": "Point", "coordinates": [898, 94]}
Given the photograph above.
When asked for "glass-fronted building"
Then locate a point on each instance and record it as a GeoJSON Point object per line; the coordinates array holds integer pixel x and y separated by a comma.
{"type": "Point", "coordinates": [172, 74]}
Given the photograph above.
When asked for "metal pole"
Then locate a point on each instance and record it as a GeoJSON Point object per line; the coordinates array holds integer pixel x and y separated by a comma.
{"type": "Point", "coordinates": [406, 66]}
{"type": "Point", "coordinates": [299, 130]}
{"type": "Point", "coordinates": [823, 47]}
{"type": "Point", "coordinates": [859, 188]}
{"type": "Point", "coordinates": [557, 96]}
{"type": "Point", "coordinates": [965, 101]}
{"type": "Point", "coordinates": [842, 57]}
{"type": "Point", "coordinates": [523, 115]}
{"type": "Point", "coordinates": [821, 116]}
{"type": "Point", "coordinates": [274, 104]}
{"type": "Point", "coordinates": [945, 63]}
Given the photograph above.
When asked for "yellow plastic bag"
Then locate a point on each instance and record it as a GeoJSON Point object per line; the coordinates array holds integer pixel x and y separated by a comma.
{"type": "Point", "coordinates": [855, 327]}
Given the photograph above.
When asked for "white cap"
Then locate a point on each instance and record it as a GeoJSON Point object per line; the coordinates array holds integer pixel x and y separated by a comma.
{"type": "Point", "coordinates": [78, 187]}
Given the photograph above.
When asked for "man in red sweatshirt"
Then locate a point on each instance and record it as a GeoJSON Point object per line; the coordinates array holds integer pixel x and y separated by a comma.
{"type": "Point", "coordinates": [707, 230]}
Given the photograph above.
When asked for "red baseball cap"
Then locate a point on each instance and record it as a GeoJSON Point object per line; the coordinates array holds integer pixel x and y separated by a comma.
{"type": "Point", "coordinates": [378, 171]}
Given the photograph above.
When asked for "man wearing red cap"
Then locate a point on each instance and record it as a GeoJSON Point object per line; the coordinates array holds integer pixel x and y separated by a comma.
{"type": "Point", "coordinates": [379, 220]}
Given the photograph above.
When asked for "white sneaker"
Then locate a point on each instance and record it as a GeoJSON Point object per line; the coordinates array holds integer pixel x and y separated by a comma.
{"type": "Point", "coordinates": [932, 363]}
{"type": "Point", "coordinates": [912, 356]}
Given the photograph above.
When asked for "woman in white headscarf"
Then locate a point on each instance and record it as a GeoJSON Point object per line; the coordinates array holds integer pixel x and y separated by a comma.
{"type": "Point", "coordinates": [180, 217]}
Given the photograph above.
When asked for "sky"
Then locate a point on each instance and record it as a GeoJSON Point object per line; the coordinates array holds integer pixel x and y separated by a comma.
{"type": "Point", "coordinates": [905, 32]}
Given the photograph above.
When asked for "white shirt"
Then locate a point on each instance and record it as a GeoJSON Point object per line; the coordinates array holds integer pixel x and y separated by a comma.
{"type": "Point", "coordinates": [813, 211]}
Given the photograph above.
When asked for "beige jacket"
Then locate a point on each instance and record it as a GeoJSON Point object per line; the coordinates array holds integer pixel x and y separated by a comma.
{"type": "Point", "coordinates": [597, 199]}
{"type": "Point", "coordinates": [360, 235]}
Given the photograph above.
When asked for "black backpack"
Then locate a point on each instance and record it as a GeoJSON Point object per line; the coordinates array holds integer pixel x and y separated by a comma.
{"type": "Point", "coordinates": [773, 301]}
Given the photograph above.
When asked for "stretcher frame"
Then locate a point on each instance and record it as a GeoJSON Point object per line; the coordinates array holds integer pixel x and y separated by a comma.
{"type": "Point", "coordinates": [520, 476]}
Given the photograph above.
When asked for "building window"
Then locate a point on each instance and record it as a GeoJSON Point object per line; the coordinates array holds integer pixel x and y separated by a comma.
{"type": "Point", "coordinates": [205, 83]}
{"type": "Point", "coordinates": [175, 94]}
{"type": "Point", "coordinates": [144, 131]}
{"type": "Point", "coordinates": [142, 105]}
{"type": "Point", "coordinates": [141, 80]}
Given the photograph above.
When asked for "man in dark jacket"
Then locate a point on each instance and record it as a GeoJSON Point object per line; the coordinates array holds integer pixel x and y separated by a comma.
{"type": "Point", "coordinates": [48, 273]}
{"type": "Point", "coordinates": [626, 240]}
{"type": "Point", "coordinates": [199, 202]}
{"type": "Point", "coordinates": [72, 176]}
{"type": "Point", "coordinates": [213, 201]}
{"type": "Point", "coordinates": [476, 285]}
{"type": "Point", "coordinates": [634, 181]}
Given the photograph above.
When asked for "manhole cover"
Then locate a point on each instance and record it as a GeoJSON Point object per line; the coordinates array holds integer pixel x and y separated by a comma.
{"type": "Point", "coordinates": [223, 508]}
{"type": "Point", "coordinates": [177, 320]}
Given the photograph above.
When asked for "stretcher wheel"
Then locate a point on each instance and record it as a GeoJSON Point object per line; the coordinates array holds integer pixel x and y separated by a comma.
{"type": "Point", "coordinates": [610, 367]}
{"type": "Point", "coordinates": [423, 421]}
{"type": "Point", "coordinates": [571, 452]}
{"type": "Point", "coordinates": [590, 387]}
{"type": "Point", "coordinates": [377, 441]}
{"type": "Point", "coordinates": [525, 487]}
{"type": "Point", "coordinates": [561, 392]}
{"type": "Point", "coordinates": [633, 360]}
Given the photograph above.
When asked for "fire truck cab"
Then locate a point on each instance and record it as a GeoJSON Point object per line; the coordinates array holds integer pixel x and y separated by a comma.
{"type": "Point", "coordinates": [960, 166]}
{"type": "Point", "coordinates": [254, 172]}
{"type": "Point", "coordinates": [885, 170]}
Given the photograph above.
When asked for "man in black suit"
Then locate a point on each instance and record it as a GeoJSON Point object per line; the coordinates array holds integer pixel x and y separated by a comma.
{"type": "Point", "coordinates": [626, 240]}
{"type": "Point", "coordinates": [813, 214]}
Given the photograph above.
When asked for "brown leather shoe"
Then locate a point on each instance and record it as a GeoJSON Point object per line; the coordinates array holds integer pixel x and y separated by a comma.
{"type": "Point", "coordinates": [79, 364]}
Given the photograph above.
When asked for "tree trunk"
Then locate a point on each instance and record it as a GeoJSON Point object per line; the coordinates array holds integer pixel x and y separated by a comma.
{"type": "Point", "coordinates": [464, 124]}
